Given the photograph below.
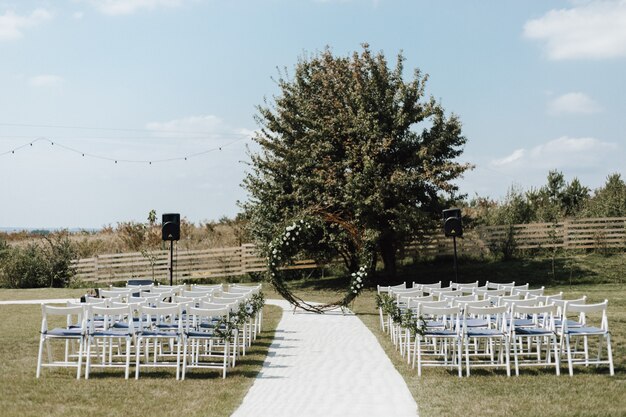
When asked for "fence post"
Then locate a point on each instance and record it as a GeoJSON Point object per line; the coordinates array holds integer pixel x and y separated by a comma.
{"type": "Point", "coordinates": [95, 268]}
{"type": "Point", "coordinates": [566, 224]}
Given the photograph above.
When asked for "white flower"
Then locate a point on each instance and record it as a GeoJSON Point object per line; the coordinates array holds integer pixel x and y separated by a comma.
{"type": "Point", "coordinates": [358, 279]}
{"type": "Point", "coordinates": [287, 234]}
{"type": "Point", "coordinates": [287, 243]}
{"type": "Point", "coordinates": [301, 221]}
{"type": "Point", "coordinates": [293, 238]}
{"type": "Point", "coordinates": [354, 274]}
{"type": "Point", "coordinates": [274, 251]}
{"type": "Point", "coordinates": [355, 291]}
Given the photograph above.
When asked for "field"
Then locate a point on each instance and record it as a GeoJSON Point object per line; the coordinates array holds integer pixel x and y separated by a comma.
{"type": "Point", "coordinates": [106, 393]}
{"type": "Point", "coordinates": [537, 392]}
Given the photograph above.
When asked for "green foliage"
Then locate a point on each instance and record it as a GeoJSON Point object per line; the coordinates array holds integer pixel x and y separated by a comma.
{"type": "Point", "coordinates": [610, 200]}
{"type": "Point", "coordinates": [406, 318]}
{"type": "Point", "coordinates": [342, 136]}
{"type": "Point", "coordinates": [47, 264]}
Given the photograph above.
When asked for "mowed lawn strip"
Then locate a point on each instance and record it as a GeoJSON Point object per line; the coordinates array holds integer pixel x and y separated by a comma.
{"type": "Point", "coordinates": [57, 393]}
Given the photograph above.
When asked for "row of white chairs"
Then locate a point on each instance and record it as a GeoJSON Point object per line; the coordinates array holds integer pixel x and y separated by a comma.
{"type": "Point", "coordinates": [537, 329]}
{"type": "Point", "coordinates": [160, 330]}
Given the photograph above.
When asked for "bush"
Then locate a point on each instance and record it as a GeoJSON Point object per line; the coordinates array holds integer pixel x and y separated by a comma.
{"type": "Point", "coordinates": [43, 264]}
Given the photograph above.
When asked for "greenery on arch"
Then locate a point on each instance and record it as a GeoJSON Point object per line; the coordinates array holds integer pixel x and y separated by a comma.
{"type": "Point", "coordinates": [299, 239]}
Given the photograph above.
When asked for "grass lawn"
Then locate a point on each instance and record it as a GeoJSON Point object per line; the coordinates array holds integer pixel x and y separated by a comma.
{"type": "Point", "coordinates": [439, 392]}
{"type": "Point", "coordinates": [106, 393]}
{"type": "Point", "coordinates": [537, 391]}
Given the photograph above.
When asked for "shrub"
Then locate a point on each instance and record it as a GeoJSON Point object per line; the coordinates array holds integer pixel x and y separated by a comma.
{"type": "Point", "coordinates": [43, 264]}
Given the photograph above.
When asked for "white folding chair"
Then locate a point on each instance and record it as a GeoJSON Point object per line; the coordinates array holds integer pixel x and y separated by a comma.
{"type": "Point", "coordinates": [442, 344]}
{"type": "Point", "coordinates": [533, 324]}
{"type": "Point", "coordinates": [485, 338]}
{"type": "Point", "coordinates": [586, 331]}
{"type": "Point", "coordinates": [208, 348]}
{"type": "Point", "coordinates": [161, 326]}
{"type": "Point", "coordinates": [107, 327]}
{"type": "Point", "coordinates": [70, 332]}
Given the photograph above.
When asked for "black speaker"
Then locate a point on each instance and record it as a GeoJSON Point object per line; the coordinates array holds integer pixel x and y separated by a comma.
{"type": "Point", "coordinates": [453, 212]}
{"type": "Point", "coordinates": [452, 226]}
{"type": "Point", "coordinates": [171, 226]}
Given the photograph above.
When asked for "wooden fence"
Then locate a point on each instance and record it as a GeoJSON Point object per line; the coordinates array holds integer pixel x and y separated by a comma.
{"type": "Point", "coordinates": [224, 262]}
{"type": "Point", "coordinates": [597, 233]}
{"type": "Point", "coordinates": [188, 265]}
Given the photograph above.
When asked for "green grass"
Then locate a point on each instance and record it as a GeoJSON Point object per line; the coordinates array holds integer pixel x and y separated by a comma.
{"type": "Point", "coordinates": [537, 391]}
{"type": "Point", "coordinates": [106, 393]}
{"type": "Point", "coordinates": [439, 392]}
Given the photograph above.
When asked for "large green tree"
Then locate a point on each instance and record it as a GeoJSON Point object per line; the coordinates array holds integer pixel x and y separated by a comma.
{"type": "Point", "coordinates": [348, 136]}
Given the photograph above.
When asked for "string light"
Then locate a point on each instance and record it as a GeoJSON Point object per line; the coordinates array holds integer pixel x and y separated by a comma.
{"type": "Point", "coordinates": [116, 160]}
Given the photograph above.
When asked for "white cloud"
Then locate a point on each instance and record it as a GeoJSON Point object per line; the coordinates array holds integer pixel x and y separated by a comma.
{"type": "Point", "coordinates": [124, 7]}
{"type": "Point", "coordinates": [574, 103]}
{"type": "Point", "coordinates": [199, 127]}
{"type": "Point", "coordinates": [12, 26]}
{"type": "Point", "coordinates": [45, 80]}
{"type": "Point", "coordinates": [589, 30]}
{"type": "Point", "coordinates": [78, 15]}
{"type": "Point", "coordinates": [507, 160]}
{"type": "Point", "coordinates": [564, 152]}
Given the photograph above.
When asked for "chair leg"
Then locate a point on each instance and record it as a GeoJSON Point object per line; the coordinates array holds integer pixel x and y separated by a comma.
{"type": "Point", "coordinates": [137, 356]}
{"type": "Point", "coordinates": [515, 357]}
{"type": "Point", "coordinates": [557, 356]}
{"type": "Point", "coordinates": [186, 341]}
{"type": "Point", "coordinates": [569, 356]}
{"type": "Point", "coordinates": [40, 355]}
{"type": "Point", "coordinates": [467, 365]}
{"type": "Point", "coordinates": [127, 370]}
{"type": "Point", "coordinates": [178, 358]}
{"type": "Point", "coordinates": [88, 360]}
{"type": "Point", "coordinates": [81, 345]}
{"type": "Point", "coordinates": [609, 352]}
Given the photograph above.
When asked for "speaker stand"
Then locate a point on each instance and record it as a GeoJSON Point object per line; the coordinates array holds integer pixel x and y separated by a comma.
{"type": "Point", "coordinates": [456, 267]}
{"type": "Point", "coordinates": [172, 262]}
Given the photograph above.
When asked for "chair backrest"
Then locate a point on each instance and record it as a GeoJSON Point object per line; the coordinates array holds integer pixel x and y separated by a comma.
{"type": "Point", "coordinates": [511, 288]}
{"type": "Point", "coordinates": [197, 293]}
{"type": "Point", "coordinates": [74, 315]}
{"type": "Point", "coordinates": [122, 293]}
{"type": "Point", "coordinates": [395, 291]}
{"type": "Point", "coordinates": [501, 300]}
{"type": "Point", "coordinates": [161, 315]}
{"type": "Point", "coordinates": [449, 315]}
{"type": "Point", "coordinates": [542, 315]}
{"type": "Point", "coordinates": [458, 299]}
{"type": "Point", "coordinates": [201, 287]}
{"type": "Point", "coordinates": [477, 303]}
{"type": "Point", "coordinates": [390, 288]}
{"type": "Point", "coordinates": [233, 305]}
{"type": "Point", "coordinates": [486, 293]}
{"type": "Point", "coordinates": [254, 289]}
{"type": "Point", "coordinates": [459, 285]}
{"type": "Point", "coordinates": [547, 299]}
{"type": "Point", "coordinates": [111, 316]}
{"type": "Point", "coordinates": [583, 310]}
{"type": "Point", "coordinates": [440, 294]}
{"type": "Point", "coordinates": [402, 296]}
{"type": "Point", "coordinates": [432, 304]}
{"type": "Point", "coordinates": [498, 285]}
{"type": "Point", "coordinates": [526, 293]}
{"type": "Point", "coordinates": [495, 317]}
{"type": "Point", "coordinates": [238, 297]}
{"type": "Point", "coordinates": [520, 303]}
{"type": "Point", "coordinates": [560, 303]}
{"type": "Point", "coordinates": [427, 288]}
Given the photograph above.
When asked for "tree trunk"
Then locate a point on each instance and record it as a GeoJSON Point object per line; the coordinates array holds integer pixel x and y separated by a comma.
{"type": "Point", "coordinates": [387, 248]}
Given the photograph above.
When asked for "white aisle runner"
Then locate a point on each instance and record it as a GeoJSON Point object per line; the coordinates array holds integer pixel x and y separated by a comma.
{"type": "Point", "coordinates": [326, 365]}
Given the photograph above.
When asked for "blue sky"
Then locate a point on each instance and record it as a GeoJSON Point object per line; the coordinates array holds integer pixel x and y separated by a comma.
{"type": "Point", "coordinates": [537, 85]}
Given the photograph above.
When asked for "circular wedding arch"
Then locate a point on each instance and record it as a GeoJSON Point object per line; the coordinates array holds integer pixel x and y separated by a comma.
{"type": "Point", "coordinates": [300, 234]}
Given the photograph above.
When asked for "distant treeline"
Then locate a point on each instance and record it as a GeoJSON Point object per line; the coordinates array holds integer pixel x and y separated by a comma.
{"type": "Point", "coordinates": [555, 201]}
